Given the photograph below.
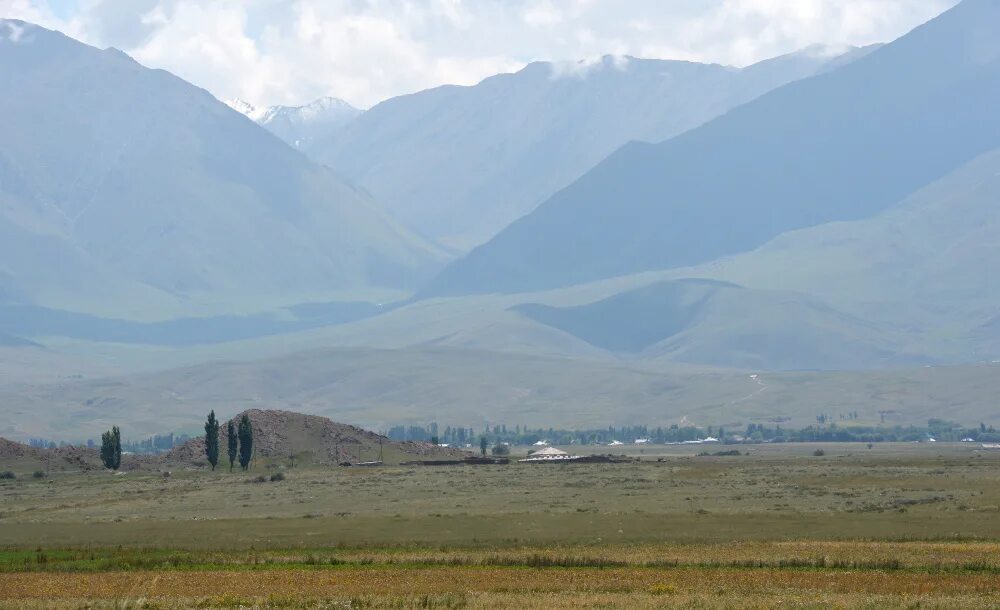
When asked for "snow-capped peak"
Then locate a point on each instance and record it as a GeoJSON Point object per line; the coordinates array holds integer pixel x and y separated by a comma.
{"type": "Point", "coordinates": [298, 125]}
{"type": "Point", "coordinates": [244, 107]}
{"type": "Point", "coordinates": [327, 106]}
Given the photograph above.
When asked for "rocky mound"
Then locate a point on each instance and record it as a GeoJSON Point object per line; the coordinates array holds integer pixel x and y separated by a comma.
{"type": "Point", "coordinates": [283, 434]}
{"type": "Point", "coordinates": [62, 458]}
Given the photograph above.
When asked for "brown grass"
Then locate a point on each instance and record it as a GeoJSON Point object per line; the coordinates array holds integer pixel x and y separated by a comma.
{"type": "Point", "coordinates": [297, 586]}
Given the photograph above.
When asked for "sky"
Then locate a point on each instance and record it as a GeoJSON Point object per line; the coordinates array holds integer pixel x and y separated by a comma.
{"type": "Point", "coordinates": [364, 51]}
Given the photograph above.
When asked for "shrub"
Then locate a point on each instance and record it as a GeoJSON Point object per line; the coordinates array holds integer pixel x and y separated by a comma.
{"type": "Point", "coordinates": [38, 474]}
{"type": "Point", "coordinates": [500, 449]}
{"type": "Point", "coordinates": [278, 476]}
{"type": "Point", "coordinates": [819, 453]}
{"type": "Point", "coordinates": [7, 475]}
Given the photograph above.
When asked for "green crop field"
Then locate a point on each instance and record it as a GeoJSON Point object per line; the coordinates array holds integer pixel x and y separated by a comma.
{"type": "Point", "coordinates": [897, 525]}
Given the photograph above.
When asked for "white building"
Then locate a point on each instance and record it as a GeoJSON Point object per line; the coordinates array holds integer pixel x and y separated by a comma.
{"type": "Point", "coordinates": [549, 454]}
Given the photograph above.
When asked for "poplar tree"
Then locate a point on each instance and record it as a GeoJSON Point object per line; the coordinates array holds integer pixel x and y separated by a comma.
{"type": "Point", "coordinates": [246, 442]}
{"type": "Point", "coordinates": [233, 442]}
{"type": "Point", "coordinates": [108, 450]}
{"type": "Point", "coordinates": [212, 439]}
{"type": "Point", "coordinates": [111, 448]}
{"type": "Point", "coordinates": [118, 446]}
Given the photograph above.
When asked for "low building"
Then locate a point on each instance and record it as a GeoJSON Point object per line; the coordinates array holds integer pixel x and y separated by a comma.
{"type": "Point", "coordinates": [549, 454]}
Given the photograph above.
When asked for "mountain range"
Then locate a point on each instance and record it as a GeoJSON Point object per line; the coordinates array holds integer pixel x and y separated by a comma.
{"type": "Point", "coordinates": [461, 163]}
{"type": "Point", "coordinates": [823, 211]}
{"type": "Point", "coordinates": [127, 189]}
{"type": "Point", "coordinates": [838, 146]}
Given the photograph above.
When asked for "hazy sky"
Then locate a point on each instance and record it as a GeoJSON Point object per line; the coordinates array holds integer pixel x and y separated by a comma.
{"type": "Point", "coordinates": [292, 51]}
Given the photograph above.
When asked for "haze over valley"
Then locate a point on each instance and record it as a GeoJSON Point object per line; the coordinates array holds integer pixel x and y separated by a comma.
{"type": "Point", "coordinates": [605, 241]}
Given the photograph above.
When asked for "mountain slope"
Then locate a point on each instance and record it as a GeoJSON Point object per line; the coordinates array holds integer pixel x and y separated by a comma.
{"type": "Point", "coordinates": [839, 146]}
{"type": "Point", "coordinates": [722, 324]}
{"type": "Point", "coordinates": [299, 126]}
{"type": "Point", "coordinates": [134, 186]}
{"type": "Point", "coordinates": [928, 264]}
{"type": "Point", "coordinates": [461, 163]}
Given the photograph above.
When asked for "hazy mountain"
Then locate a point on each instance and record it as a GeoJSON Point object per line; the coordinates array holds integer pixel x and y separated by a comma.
{"type": "Point", "coordinates": [839, 146]}
{"type": "Point", "coordinates": [300, 126]}
{"type": "Point", "coordinates": [461, 163]}
{"type": "Point", "coordinates": [123, 187]}
{"type": "Point", "coordinates": [912, 284]}
{"type": "Point", "coordinates": [12, 341]}
{"type": "Point", "coordinates": [722, 324]}
{"type": "Point", "coordinates": [927, 265]}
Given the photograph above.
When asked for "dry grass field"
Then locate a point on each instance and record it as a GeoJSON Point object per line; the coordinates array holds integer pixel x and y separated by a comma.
{"type": "Point", "coordinates": [891, 526]}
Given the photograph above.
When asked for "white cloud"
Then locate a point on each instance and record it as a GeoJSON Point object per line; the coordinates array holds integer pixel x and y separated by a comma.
{"type": "Point", "coordinates": [291, 51]}
{"type": "Point", "coordinates": [542, 14]}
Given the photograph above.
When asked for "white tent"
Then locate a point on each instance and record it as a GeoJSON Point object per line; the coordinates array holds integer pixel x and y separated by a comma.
{"type": "Point", "coordinates": [548, 451]}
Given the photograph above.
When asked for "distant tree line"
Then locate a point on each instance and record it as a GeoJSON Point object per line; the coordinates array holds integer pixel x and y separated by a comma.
{"type": "Point", "coordinates": [518, 435]}
{"type": "Point", "coordinates": [156, 444]}
{"type": "Point", "coordinates": [149, 446]}
{"type": "Point", "coordinates": [495, 439]}
{"type": "Point", "coordinates": [826, 430]}
{"type": "Point", "coordinates": [448, 436]}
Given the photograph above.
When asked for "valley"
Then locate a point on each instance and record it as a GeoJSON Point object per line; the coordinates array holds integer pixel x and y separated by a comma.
{"type": "Point", "coordinates": [568, 305]}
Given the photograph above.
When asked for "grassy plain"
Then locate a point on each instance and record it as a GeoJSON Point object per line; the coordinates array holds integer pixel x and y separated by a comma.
{"type": "Point", "coordinates": [891, 526]}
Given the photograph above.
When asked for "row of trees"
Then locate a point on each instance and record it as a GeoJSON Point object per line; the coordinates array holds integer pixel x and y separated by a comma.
{"type": "Point", "coordinates": [847, 431]}
{"type": "Point", "coordinates": [239, 441]}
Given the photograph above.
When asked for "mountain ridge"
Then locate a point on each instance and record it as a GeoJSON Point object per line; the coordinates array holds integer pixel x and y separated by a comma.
{"type": "Point", "coordinates": [124, 190]}
{"type": "Point", "coordinates": [458, 163]}
{"type": "Point", "coordinates": [298, 126]}
{"type": "Point", "coordinates": [830, 147]}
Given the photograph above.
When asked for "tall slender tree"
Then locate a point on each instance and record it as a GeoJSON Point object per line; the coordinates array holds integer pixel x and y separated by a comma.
{"type": "Point", "coordinates": [246, 442]}
{"type": "Point", "coordinates": [233, 443]}
{"type": "Point", "coordinates": [212, 439]}
{"type": "Point", "coordinates": [108, 450]}
{"type": "Point", "coordinates": [118, 446]}
{"type": "Point", "coordinates": [111, 448]}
